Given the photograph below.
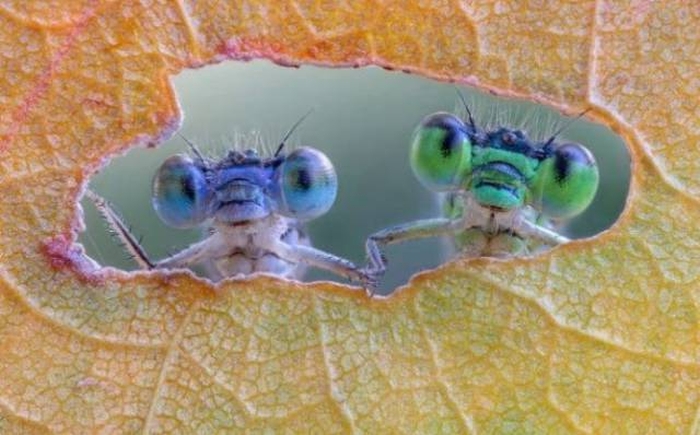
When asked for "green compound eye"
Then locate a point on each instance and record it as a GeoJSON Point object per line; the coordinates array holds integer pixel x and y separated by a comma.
{"type": "Point", "coordinates": [566, 181]}
{"type": "Point", "coordinates": [441, 152]}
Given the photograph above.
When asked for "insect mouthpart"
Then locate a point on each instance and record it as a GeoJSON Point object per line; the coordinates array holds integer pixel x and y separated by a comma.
{"type": "Point", "coordinates": [498, 185]}
{"type": "Point", "coordinates": [499, 171]}
{"type": "Point", "coordinates": [240, 200]}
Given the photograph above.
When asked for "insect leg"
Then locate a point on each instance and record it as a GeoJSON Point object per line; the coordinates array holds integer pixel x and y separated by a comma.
{"type": "Point", "coordinates": [529, 229]}
{"type": "Point", "coordinates": [115, 222]}
{"type": "Point", "coordinates": [412, 230]}
{"type": "Point", "coordinates": [193, 254]}
{"type": "Point", "coordinates": [323, 260]}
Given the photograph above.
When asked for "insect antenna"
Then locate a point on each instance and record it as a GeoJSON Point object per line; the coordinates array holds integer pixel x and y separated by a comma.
{"type": "Point", "coordinates": [565, 126]}
{"type": "Point", "coordinates": [121, 230]}
{"type": "Point", "coordinates": [194, 149]}
{"type": "Point", "coordinates": [466, 107]}
{"type": "Point", "coordinates": [291, 130]}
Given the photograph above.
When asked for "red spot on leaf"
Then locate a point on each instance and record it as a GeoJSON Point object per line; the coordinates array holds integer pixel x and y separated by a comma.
{"type": "Point", "coordinates": [63, 254]}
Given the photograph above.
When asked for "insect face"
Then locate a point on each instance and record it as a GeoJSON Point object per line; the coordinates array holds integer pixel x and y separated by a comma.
{"type": "Point", "coordinates": [241, 183]}
{"type": "Point", "coordinates": [566, 181]}
{"type": "Point", "coordinates": [503, 169]}
{"type": "Point", "coordinates": [243, 187]}
{"type": "Point", "coordinates": [503, 166]}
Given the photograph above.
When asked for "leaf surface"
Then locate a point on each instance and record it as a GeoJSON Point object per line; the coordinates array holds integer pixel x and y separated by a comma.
{"type": "Point", "coordinates": [598, 336]}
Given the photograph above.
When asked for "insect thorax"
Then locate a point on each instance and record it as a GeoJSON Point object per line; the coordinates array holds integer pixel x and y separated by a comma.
{"type": "Point", "coordinates": [246, 248]}
{"type": "Point", "coordinates": [489, 232]}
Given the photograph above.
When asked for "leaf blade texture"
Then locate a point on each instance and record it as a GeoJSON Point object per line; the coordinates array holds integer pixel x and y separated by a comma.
{"type": "Point", "coordinates": [598, 336]}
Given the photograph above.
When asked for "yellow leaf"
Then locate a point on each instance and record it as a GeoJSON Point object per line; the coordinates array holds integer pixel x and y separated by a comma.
{"type": "Point", "coordinates": [598, 336]}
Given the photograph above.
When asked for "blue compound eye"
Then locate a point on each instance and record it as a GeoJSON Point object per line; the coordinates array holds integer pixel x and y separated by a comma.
{"type": "Point", "coordinates": [308, 184]}
{"type": "Point", "coordinates": [180, 193]}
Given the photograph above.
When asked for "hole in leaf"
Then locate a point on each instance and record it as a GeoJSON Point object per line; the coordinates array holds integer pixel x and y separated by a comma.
{"type": "Point", "coordinates": [363, 120]}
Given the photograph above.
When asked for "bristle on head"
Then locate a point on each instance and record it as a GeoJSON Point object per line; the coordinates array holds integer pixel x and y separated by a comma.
{"type": "Point", "coordinates": [212, 150]}
{"type": "Point", "coordinates": [539, 123]}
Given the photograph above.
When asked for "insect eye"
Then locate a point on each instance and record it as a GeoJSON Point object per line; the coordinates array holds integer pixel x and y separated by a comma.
{"type": "Point", "coordinates": [307, 184]}
{"type": "Point", "coordinates": [180, 193]}
{"type": "Point", "coordinates": [441, 152]}
{"type": "Point", "coordinates": [567, 181]}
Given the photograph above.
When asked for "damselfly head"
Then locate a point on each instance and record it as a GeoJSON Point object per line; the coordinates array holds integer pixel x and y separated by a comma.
{"type": "Point", "coordinates": [503, 168]}
{"type": "Point", "coordinates": [243, 187]}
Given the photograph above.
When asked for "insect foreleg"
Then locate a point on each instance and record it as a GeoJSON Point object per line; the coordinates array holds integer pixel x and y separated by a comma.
{"type": "Point", "coordinates": [529, 229]}
{"type": "Point", "coordinates": [412, 230]}
{"type": "Point", "coordinates": [323, 260]}
{"type": "Point", "coordinates": [119, 228]}
{"type": "Point", "coordinates": [191, 255]}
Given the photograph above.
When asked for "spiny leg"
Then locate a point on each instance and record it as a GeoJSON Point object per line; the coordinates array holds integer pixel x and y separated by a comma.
{"type": "Point", "coordinates": [323, 260]}
{"type": "Point", "coordinates": [117, 225]}
{"type": "Point", "coordinates": [412, 230]}
{"type": "Point", "coordinates": [188, 256]}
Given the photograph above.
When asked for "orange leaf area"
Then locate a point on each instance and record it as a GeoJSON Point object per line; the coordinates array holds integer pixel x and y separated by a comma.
{"type": "Point", "coordinates": [598, 336]}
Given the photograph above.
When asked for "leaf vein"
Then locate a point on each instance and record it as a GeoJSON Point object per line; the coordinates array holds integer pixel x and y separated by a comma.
{"type": "Point", "coordinates": [335, 396]}
{"type": "Point", "coordinates": [169, 355]}
{"type": "Point", "coordinates": [15, 291]}
{"type": "Point", "coordinates": [466, 420]}
{"type": "Point", "coordinates": [586, 334]}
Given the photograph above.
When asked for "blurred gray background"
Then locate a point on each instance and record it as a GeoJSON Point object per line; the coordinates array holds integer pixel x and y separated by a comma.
{"type": "Point", "coordinates": [363, 120]}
